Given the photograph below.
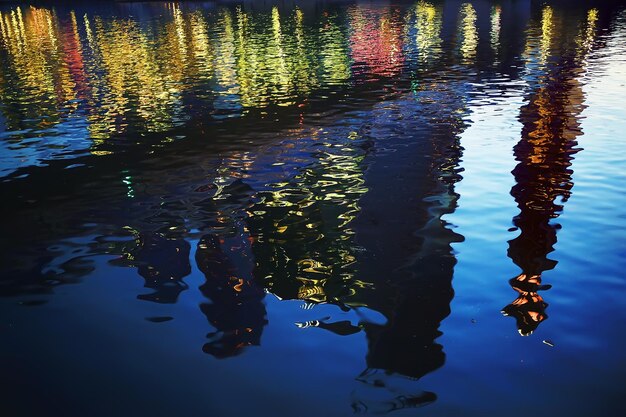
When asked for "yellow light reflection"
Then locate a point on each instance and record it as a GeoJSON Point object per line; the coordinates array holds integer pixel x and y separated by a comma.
{"type": "Point", "coordinates": [494, 33]}
{"type": "Point", "coordinates": [547, 25]}
{"type": "Point", "coordinates": [38, 80]}
{"type": "Point", "coordinates": [468, 32]}
{"type": "Point", "coordinates": [428, 24]}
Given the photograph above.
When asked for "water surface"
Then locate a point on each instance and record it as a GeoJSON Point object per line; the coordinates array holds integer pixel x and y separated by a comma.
{"type": "Point", "coordinates": [312, 208]}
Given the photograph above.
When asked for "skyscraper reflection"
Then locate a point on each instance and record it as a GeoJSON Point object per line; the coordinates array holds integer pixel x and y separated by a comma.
{"type": "Point", "coordinates": [543, 175]}
{"type": "Point", "coordinates": [407, 257]}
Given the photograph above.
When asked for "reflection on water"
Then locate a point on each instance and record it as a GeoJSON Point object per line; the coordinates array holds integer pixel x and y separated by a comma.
{"type": "Point", "coordinates": [375, 42]}
{"type": "Point", "coordinates": [424, 33]}
{"type": "Point", "coordinates": [237, 311]}
{"type": "Point", "coordinates": [86, 80]}
{"type": "Point", "coordinates": [307, 153]}
{"type": "Point", "coordinates": [551, 123]}
{"type": "Point", "coordinates": [496, 25]}
{"type": "Point", "coordinates": [163, 263]}
{"type": "Point", "coordinates": [467, 32]}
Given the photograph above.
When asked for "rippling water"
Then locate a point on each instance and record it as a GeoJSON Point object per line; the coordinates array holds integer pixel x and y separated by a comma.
{"type": "Point", "coordinates": [312, 208]}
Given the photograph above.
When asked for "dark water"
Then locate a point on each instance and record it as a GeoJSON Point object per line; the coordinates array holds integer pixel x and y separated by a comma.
{"type": "Point", "coordinates": [312, 209]}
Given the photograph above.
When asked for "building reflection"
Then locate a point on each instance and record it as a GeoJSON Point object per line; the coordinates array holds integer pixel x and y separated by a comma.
{"type": "Point", "coordinates": [236, 311]}
{"type": "Point", "coordinates": [375, 41]}
{"type": "Point", "coordinates": [123, 77]}
{"type": "Point", "coordinates": [321, 240]}
{"type": "Point", "coordinates": [543, 175]}
{"type": "Point", "coordinates": [303, 237]}
{"type": "Point", "coordinates": [35, 81]}
{"type": "Point", "coordinates": [424, 24]}
{"type": "Point", "coordinates": [297, 237]}
{"type": "Point", "coordinates": [163, 262]}
{"type": "Point", "coordinates": [467, 33]}
{"type": "Point", "coordinates": [333, 235]}
{"type": "Point", "coordinates": [407, 256]}
{"type": "Point", "coordinates": [324, 233]}
{"type": "Point", "coordinates": [127, 77]}
{"type": "Point", "coordinates": [496, 25]}
{"type": "Point", "coordinates": [346, 213]}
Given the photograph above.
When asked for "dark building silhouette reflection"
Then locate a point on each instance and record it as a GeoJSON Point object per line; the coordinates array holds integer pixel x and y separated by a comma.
{"type": "Point", "coordinates": [236, 311]}
{"type": "Point", "coordinates": [163, 262]}
{"type": "Point", "coordinates": [408, 258]}
{"type": "Point", "coordinates": [339, 234]}
{"type": "Point", "coordinates": [543, 175]}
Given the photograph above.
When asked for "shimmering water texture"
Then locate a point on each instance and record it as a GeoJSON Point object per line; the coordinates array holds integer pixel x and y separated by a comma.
{"type": "Point", "coordinates": [261, 208]}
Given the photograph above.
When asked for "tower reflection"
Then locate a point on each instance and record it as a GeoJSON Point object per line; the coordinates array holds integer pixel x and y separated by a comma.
{"type": "Point", "coordinates": [407, 257]}
{"type": "Point", "coordinates": [543, 175]}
